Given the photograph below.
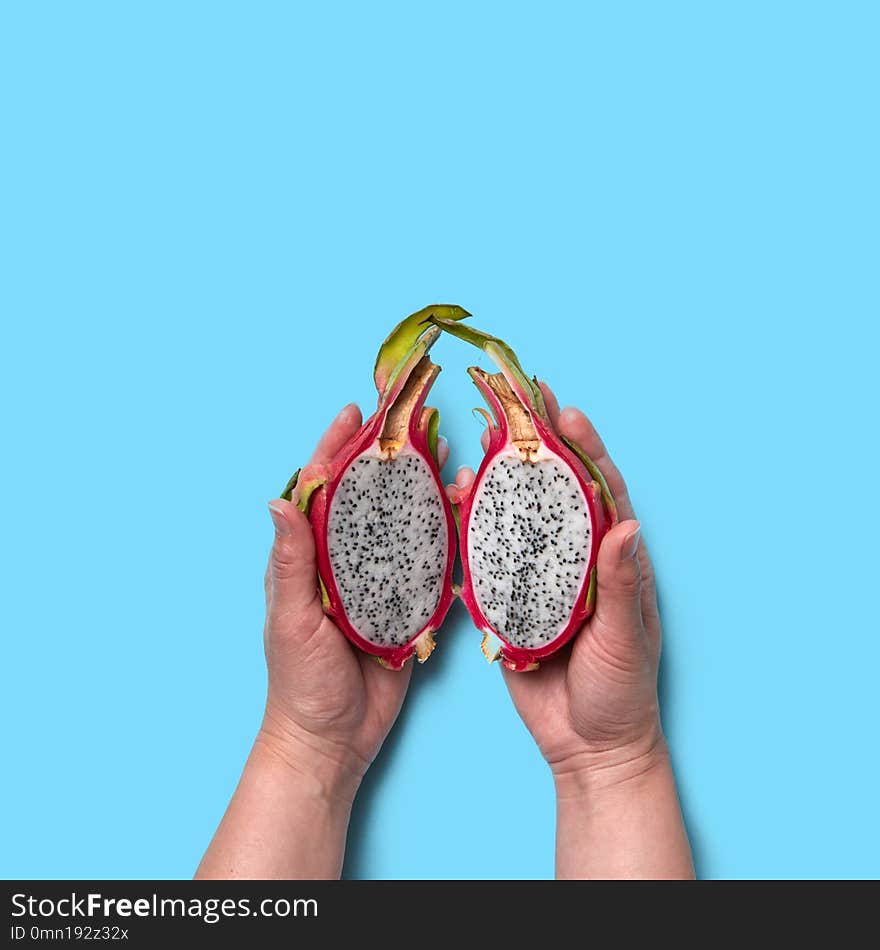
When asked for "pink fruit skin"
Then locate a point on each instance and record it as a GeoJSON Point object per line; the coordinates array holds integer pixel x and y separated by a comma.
{"type": "Point", "coordinates": [322, 497]}
{"type": "Point", "coordinates": [602, 520]}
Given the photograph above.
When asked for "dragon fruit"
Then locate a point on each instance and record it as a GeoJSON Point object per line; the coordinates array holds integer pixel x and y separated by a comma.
{"type": "Point", "coordinates": [383, 526]}
{"type": "Point", "coordinates": [531, 523]}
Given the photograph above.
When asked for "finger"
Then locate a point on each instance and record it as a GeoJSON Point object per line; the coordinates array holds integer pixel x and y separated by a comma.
{"type": "Point", "coordinates": [619, 594]}
{"type": "Point", "coordinates": [550, 402]}
{"type": "Point", "coordinates": [293, 587]}
{"type": "Point", "coordinates": [464, 480]}
{"type": "Point", "coordinates": [442, 451]}
{"type": "Point", "coordinates": [342, 428]}
{"type": "Point", "coordinates": [464, 477]}
{"type": "Point", "coordinates": [650, 608]}
{"type": "Point", "coordinates": [484, 439]}
{"type": "Point", "coordinates": [574, 425]}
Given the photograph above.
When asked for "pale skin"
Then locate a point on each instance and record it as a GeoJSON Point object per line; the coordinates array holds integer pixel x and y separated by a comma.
{"type": "Point", "coordinates": [592, 710]}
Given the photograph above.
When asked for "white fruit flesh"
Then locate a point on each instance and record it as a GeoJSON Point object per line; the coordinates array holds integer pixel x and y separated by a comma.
{"type": "Point", "coordinates": [528, 543]}
{"type": "Point", "coordinates": [388, 546]}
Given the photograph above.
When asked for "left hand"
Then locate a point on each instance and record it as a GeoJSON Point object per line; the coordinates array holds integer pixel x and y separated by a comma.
{"type": "Point", "coordinates": [592, 707]}
{"type": "Point", "coordinates": [329, 706]}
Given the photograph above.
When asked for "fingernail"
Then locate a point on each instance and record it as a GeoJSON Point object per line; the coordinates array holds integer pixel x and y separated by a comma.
{"type": "Point", "coordinates": [278, 519]}
{"type": "Point", "coordinates": [630, 544]}
{"type": "Point", "coordinates": [569, 414]}
{"type": "Point", "coordinates": [443, 439]}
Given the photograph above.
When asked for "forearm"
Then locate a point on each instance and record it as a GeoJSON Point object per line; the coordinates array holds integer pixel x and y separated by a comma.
{"type": "Point", "coordinates": [288, 818]}
{"type": "Point", "coordinates": [621, 820]}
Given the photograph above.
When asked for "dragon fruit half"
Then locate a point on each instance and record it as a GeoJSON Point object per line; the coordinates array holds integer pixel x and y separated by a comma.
{"type": "Point", "coordinates": [531, 523]}
{"type": "Point", "coordinates": [383, 526]}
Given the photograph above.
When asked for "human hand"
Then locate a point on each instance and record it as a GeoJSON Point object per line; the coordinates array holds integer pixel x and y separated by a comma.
{"type": "Point", "coordinates": [592, 708]}
{"type": "Point", "coordinates": [328, 710]}
{"type": "Point", "coordinates": [329, 706]}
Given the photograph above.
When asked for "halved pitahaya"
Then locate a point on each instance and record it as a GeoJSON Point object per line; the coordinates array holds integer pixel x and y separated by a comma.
{"type": "Point", "coordinates": [383, 526]}
{"type": "Point", "coordinates": [531, 524]}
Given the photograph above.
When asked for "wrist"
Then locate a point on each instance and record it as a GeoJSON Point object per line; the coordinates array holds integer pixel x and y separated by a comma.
{"type": "Point", "coordinates": [592, 772]}
{"type": "Point", "coordinates": [289, 815]}
{"type": "Point", "coordinates": [618, 815]}
{"type": "Point", "coordinates": [321, 768]}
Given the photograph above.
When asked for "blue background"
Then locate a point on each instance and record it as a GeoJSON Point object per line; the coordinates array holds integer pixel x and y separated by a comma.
{"type": "Point", "coordinates": [212, 214]}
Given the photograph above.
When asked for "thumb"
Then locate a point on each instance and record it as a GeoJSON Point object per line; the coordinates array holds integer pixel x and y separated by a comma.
{"type": "Point", "coordinates": [618, 597]}
{"type": "Point", "coordinates": [292, 573]}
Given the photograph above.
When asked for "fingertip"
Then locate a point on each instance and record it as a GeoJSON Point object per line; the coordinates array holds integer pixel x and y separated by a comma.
{"type": "Point", "coordinates": [465, 476]}
{"type": "Point", "coordinates": [576, 426]}
{"type": "Point", "coordinates": [278, 509]}
{"type": "Point", "coordinates": [286, 516]}
{"type": "Point", "coordinates": [621, 542]}
{"type": "Point", "coordinates": [442, 451]}
{"type": "Point", "coordinates": [571, 415]}
{"type": "Point", "coordinates": [484, 440]}
{"type": "Point", "coordinates": [340, 430]}
{"type": "Point", "coordinates": [350, 415]}
{"type": "Point", "coordinates": [460, 488]}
